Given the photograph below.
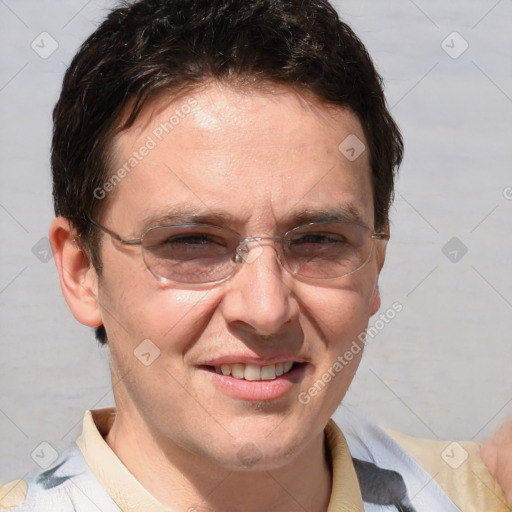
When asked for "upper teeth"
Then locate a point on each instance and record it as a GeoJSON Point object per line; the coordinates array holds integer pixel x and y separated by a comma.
{"type": "Point", "coordinates": [253, 371]}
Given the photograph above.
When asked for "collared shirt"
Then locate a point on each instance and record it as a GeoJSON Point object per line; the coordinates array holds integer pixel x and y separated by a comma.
{"type": "Point", "coordinates": [373, 470]}
{"type": "Point", "coordinates": [130, 496]}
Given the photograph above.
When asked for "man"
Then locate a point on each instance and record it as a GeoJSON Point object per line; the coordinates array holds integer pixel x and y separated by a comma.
{"type": "Point", "coordinates": [223, 173]}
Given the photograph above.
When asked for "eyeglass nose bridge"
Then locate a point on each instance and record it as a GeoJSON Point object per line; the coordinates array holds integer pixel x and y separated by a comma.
{"type": "Point", "coordinates": [249, 254]}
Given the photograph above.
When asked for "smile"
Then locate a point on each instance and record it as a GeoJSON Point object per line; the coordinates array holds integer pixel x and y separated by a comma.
{"type": "Point", "coordinates": [254, 372]}
{"type": "Point", "coordinates": [250, 381]}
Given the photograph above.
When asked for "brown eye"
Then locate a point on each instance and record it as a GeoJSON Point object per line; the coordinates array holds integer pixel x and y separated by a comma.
{"type": "Point", "coordinates": [318, 239]}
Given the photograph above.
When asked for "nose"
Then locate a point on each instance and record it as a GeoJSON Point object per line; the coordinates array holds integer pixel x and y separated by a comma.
{"type": "Point", "coordinates": [259, 298]}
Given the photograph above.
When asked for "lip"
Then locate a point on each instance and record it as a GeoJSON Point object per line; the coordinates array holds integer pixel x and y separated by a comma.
{"type": "Point", "coordinates": [250, 359]}
{"type": "Point", "coordinates": [256, 390]}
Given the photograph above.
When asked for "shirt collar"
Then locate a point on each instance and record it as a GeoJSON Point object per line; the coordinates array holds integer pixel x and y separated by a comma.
{"type": "Point", "coordinates": [131, 496]}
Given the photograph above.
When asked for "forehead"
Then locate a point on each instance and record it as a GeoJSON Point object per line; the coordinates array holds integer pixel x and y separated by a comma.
{"type": "Point", "coordinates": [252, 156]}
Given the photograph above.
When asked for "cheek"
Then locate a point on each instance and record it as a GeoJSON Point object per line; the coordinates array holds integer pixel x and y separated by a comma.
{"type": "Point", "coordinates": [340, 318]}
{"type": "Point", "coordinates": [343, 323]}
{"type": "Point", "coordinates": [172, 319]}
{"type": "Point", "coordinates": [342, 312]}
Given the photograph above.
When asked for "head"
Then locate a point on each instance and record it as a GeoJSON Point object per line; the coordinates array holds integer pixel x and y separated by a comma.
{"type": "Point", "coordinates": [234, 110]}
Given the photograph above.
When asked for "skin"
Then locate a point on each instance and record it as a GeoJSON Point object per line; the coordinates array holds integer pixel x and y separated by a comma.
{"type": "Point", "coordinates": [496, 452]}
{"type": "Point", "coordinates": [258, 156]}
{"type": "Point", "coordinates": [176, 432]}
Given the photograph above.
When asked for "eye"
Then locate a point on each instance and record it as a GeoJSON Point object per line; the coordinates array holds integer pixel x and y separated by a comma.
{"type": "Point", "coordinates": [191, 243]}
{"type": "Point", "coordinates": [334, 236]}
{"type": "Point", "coordinates": [171, 243]}
{"type": "Point", "coordinates": [192, 239]}
{"type": "Point", "coordinates": [317, 239]}
{"type": "Point", "coordinates": [318, 245]}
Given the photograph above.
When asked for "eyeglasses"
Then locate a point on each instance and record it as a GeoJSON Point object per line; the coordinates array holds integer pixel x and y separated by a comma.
{"type": "Point", "coordinates": [203, 253]}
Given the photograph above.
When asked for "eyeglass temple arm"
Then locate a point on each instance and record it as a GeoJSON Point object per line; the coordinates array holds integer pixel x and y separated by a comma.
{"type": "Point", "coordinates": [135, 241]}
{"type": "Point", "coordinates": [380, 236]}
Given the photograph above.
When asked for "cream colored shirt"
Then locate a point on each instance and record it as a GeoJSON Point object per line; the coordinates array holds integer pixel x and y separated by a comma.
{"type": "Point", "coordinates": [92, 468]}
{"type": "Point", "coordinates": [130, 496]}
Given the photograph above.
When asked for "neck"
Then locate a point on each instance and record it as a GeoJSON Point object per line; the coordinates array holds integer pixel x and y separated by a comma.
{"type": "Point", "coordinates": [175, 476]}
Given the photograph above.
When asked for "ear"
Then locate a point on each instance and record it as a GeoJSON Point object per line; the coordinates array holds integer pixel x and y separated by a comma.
{"type": "Point", "coordinates": [380, 257]}
{"type": "Point", "coordinates": [78, 278]}
{"type": "Point", "coordinates": [375, 301]}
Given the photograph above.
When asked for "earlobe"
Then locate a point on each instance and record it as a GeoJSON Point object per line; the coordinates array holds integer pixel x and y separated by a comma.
{"type": "Point", "coordinates": [78, 278]}
{"type": "Point", "coordinates": [375, 301]}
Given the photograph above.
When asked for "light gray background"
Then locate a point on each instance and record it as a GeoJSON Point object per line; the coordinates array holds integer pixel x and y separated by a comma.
{"type": "Point", "coordinates": [440, 369]}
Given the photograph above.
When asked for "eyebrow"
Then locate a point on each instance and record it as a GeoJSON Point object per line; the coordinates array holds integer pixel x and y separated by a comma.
{"type": "Point", "coordinates": [348, 213]}
{"type": "Point", "coordinates": [185, 215]}
{"type": "Point", "coordinates": [192, 215]}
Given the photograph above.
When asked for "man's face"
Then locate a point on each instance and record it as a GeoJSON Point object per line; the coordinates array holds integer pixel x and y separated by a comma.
{"type": "Point", "coordinates": [261, 159]}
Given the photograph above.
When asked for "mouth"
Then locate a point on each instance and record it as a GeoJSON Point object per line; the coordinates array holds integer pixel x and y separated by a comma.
{"type": "Point", "coordinates": [248, 379]}
{"type": "Point", "coordinates": [254, 372]}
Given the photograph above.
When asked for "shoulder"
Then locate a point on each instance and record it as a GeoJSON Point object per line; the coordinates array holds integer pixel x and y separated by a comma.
{"type": "Point", "coordinates": [13, 494]}
{"type": "Point", "coordinates": [68, 485]}
{"type": "Point", "coordinates": [444, 475]}
{"type": "Point", "coordinates": [458, 469]}
{"type": "Point", "coordinates": [46, 489]}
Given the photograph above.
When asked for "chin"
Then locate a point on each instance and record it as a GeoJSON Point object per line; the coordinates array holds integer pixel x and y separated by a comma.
{"type": "Point", "coordinates": [264, 449]}
{"type": "Point", "coordinates": [253, 457]}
